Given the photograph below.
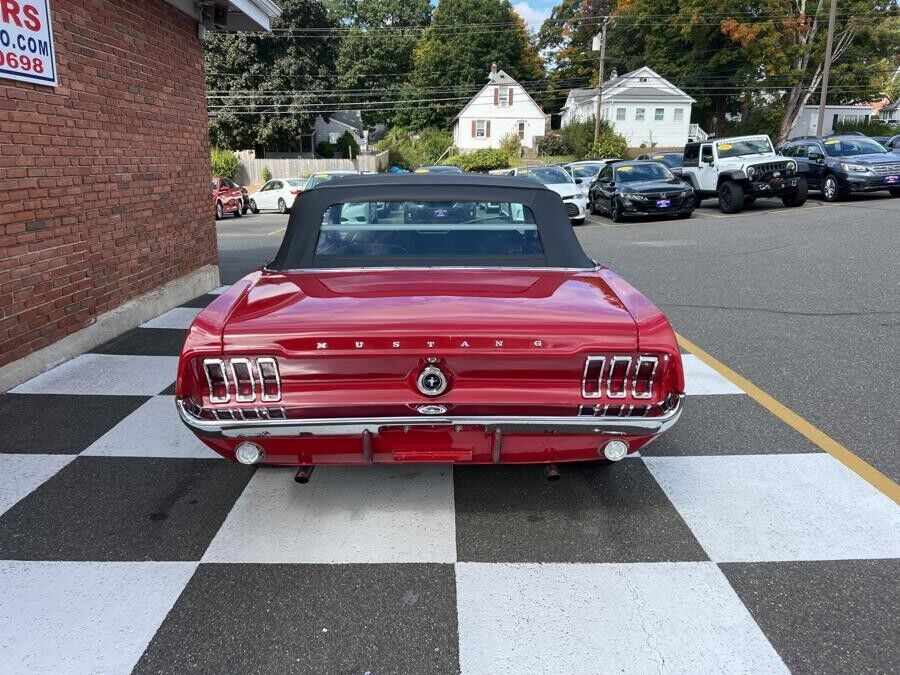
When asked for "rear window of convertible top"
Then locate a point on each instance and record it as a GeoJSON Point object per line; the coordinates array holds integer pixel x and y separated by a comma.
{"type": "Point", "coordinates": [423, 233]}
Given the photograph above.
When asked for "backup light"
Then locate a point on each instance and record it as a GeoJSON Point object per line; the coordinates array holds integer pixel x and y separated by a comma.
{"type": "Point", "coordinates": [248, 453]}
{"type": "Point", "coordinates": [615, 450]}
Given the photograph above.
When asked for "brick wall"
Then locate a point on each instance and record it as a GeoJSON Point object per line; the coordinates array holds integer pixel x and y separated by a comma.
{"type": "Point", "coordinates": [104, 180]}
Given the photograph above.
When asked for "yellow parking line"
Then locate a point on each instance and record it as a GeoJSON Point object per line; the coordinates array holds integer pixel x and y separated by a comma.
{"type": "Point", "coordinates": [280, 230]}
{"type": "Point", "coordinates": [856, 464]}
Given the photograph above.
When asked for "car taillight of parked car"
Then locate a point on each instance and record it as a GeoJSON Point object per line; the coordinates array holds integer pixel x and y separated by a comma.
{"type": "Point", "coordinates": [246, 381]}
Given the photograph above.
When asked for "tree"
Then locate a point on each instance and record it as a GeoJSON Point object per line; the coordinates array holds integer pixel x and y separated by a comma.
{"type": "Point", "coordinates": [262, 86]}
{"type": "Point", "coordinates": [452, 60]}
{"type": "Point", "coordinates": [375, 56]}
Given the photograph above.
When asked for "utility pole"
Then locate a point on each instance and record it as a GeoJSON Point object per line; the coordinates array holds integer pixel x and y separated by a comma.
{"type": "Point", "coordinates": [823, 96]}
{"type": "Point", "coordinates": [599, 43]}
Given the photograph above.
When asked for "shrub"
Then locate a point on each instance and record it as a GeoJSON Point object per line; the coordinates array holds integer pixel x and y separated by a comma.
{"type": "Point", "coordinates": [579, 136]}
{"type": "Point", "coordinates": [510, 144]}
{"type": "Point", "coordinates": [485, 159]}
{"type": "Point", "coordinates": [325, 149]}
{"type": "Point", "coordinates": [872, 128]}
{"type": "Point", "coordinates": [408, 150]}
{"type": "Point", "coordinates": [224, 162]}
{"type": "Point", "coordinates": [347, 146]}
{"type": "Point", "coordinates": [610, 144]}
{"type": "Point", "coordinates": [552, 144]}
{"type": "Point", "coordinates": [266, 174]}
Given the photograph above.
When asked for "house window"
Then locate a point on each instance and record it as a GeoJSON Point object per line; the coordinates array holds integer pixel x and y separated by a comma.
{"type": "Point", "coordinates": [521, 129]}
{"type": "Point", "coordinates": [638, 114]}
{"type": "Point", "coordinates": [480, 128]}
{"type": "Point", "coordinates": [659, 114]}
{"type": "Point", "coordinates": [620, 114]}
{"type": "Point", "coordinates": [679, 114]}
{"type": "Point", "coordinates": [503, 96]}
{"type": "Point", "coordinates": [333, 137]}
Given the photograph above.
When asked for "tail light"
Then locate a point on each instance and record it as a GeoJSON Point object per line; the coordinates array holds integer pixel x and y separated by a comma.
{"type": "Point", "coordinates": [619, 376]}
{"type": "Point", "coordinates": [294, 193]}
{"type": "Point", "coordinates": [217, 378]}
{"type": "Point", "coordinates": [241, 375]}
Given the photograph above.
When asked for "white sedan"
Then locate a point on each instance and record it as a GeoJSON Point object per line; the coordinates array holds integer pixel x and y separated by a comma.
{"type": "Point", "coordinates": [277, 194]}
{"type": "Point", "coordinates": [571, 190]}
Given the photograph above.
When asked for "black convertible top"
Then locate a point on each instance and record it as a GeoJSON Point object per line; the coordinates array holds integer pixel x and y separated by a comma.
{"type": "Point", "coordinates": [561, 246]}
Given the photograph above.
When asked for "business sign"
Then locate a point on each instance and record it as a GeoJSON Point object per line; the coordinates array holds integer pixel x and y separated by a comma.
{"type": "Point", "coordinates": [26, 42]}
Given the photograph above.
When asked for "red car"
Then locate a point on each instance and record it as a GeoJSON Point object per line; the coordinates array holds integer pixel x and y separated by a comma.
{"type": "Point", "coordinates": [227, 197]}
{"type": "Point", "coordinates": [376, 340]}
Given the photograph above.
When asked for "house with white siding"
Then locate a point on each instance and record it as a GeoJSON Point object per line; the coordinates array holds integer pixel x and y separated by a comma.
{"type": "Point", "coordinates": [808, 120]}
{"type": "Point", "coordinates": [642, 106]}
{"type": "Point", "coordinates": [501, 107]}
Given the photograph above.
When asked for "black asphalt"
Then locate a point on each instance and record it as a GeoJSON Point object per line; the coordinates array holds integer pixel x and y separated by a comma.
{"type": "Point", "coordinates": [804, 302]}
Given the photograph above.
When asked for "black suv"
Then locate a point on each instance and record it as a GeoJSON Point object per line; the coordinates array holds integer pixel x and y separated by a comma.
{"type": "Point", "coordinates": [841, 164]}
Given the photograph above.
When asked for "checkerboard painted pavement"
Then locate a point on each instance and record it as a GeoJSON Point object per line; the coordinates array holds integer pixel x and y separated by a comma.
{"type": "Point", "coordinates": [731, 545]}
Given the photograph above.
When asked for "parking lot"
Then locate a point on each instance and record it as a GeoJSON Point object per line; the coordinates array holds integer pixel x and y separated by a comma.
{"type": "Point", "coordinates": [760, 535]}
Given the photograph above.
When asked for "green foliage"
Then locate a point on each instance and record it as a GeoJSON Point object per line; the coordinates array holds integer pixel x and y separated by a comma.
{"type": "Point", "coordinates": [409, 150]}
{"type": "Point", "coordinates": [446, 56]}
{"type": "Point", "coordinates": [266, 174]}
{"type": "Point", "coordinates": [511, 145]}
{"type": "Point", "coordinates": [325, 149]}
{"type": "Point", "coordinates": [224, 162]}
{"type": "Point", "coordinates": [238, 63]}
{"type": "Point", "coordinates": [610, 144]}
{"type": "Point", "coordinates": [552, 144]}
{"type": "Point", "coordinates": [579, 135]}
{"type": "Point", "coordinates": [485, 159]}
{"type": "Point", "coordinates": [873, 128]}
{"type": "Point", "coordinates": [347, 146]}
{"type": "Point", "coordinates": [374, 56]}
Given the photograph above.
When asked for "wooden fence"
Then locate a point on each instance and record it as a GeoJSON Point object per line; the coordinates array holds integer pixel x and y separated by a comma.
{"type": "Point", "coordinates": [249, 171]}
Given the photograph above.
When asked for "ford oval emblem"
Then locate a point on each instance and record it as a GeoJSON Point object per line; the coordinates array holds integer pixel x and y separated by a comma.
{"type": "Point", "coordinates": [432, 409]}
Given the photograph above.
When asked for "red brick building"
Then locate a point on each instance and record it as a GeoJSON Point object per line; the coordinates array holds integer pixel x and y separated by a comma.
{"type": "Point", "coordinates": [104, 214]}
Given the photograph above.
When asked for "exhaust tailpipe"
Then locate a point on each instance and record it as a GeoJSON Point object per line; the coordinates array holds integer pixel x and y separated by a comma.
{"type": "Point", "coordinates": [303, 474]}
{"type": "Point", "coordinates": [551, 472]}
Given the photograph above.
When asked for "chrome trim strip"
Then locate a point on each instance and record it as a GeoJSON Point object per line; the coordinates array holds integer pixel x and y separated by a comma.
{"type": "Point", "coordinates": [587, 364]}
{"type": "Point", "coordinates": [221, 366]}
{"type": "Point", "coordinates": [319, 270]}
{"type": "Point", "coordinates": [237, 382]}
{"type": "Point", "coordinates": [268, 360]}
{"type": "Point", "coordinates": [612, 370]}
{"type": "Point", "coordinates": [356, 426]}
{"type": "Point", "coordinates": [637, 370]}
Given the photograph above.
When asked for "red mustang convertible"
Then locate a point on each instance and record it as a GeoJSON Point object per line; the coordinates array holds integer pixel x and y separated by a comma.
{"type": "Point", "coordinates": [459, 334]}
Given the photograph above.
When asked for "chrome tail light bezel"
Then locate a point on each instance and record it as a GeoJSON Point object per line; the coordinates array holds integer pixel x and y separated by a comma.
{"type": "Point", "coordinates": [590, 362]}
{"type": "Point", "coordinates": [611, 382]}
{"type": "Point", "coordinates": [263, 379]}
{"type": "Point", "coordinates": [223, 372]}
{"type": "Point", "coordinates": [642, 360]}
{"type": "Point", "coordinates": [243, 363]}
{"type": "Point", "coordinates": [613, 362]}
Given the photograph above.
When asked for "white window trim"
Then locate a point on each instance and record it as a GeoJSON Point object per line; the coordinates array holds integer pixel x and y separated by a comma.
{"type": "Point", "coordinates": [621, 114]}
{"type": "Point", "coordinates": [640, 114]}
{"type": "Point", "coordinates": [679, 115]}
{"type": "Point", "coordinates": [480, 128]}
{"type": "Point", "coordinates": [659, 114]}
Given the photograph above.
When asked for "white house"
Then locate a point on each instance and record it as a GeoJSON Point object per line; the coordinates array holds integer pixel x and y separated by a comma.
{"type": "Point", "coordinates": [808, 120]}
{"type": "Point", "coordinates": [642, 106]}
{"type": "Point", "coordinates": [501, 107]}
{"type": "Point", "coordinates": [890, 112]}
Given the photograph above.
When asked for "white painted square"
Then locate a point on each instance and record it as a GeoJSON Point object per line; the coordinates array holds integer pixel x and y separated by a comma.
{"type": "Point", "coordinates": [779, 507]}
{"type": "Point", "coordinates": [701, 380]}
{"type": "Point", "coordinates": [219, 290]}
{"type": "Point", "coordinates": [20, 475]}
{"type": "Point", "coordinates": [153, 430]}
{"type": "Point", "coordinates": [179, 317]}
{"type": "Point", "coordinates": [112, 374]}
{"type": "Point", "coordinates": [360, 514]}
{"type": "Point", "coordinates": [621, 618]}
{"type": "Point", "coordinates": [76, 617]}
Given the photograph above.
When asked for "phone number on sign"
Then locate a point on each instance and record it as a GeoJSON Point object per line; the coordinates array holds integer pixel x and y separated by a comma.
{"type": "Point", "coordinates": [27, 64]}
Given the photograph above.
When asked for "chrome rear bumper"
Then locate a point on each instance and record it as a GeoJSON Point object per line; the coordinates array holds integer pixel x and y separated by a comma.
{"type": "Point", "coordinates": [355, 426]}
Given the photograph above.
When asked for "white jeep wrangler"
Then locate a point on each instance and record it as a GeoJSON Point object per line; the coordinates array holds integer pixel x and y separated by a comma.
{"type": "Point", "coordinates": [740, 169]}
